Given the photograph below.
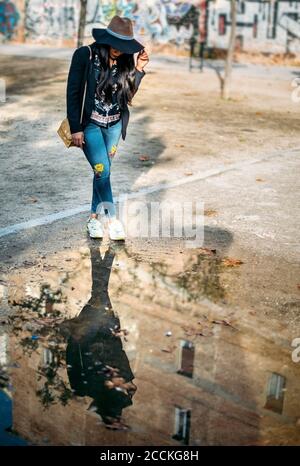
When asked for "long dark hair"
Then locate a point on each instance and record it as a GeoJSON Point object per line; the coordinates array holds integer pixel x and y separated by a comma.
{"type": "Point", "coordinates": [125, 77]}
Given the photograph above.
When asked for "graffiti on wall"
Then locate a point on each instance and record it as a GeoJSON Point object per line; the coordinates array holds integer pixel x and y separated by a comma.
{"type": "Point", "coordinates": [46, 19]}
{"type": "Point", "coordinates": [261, 24]}
{"type": "Point", "coordinates": [9, 17]}
{"type": "Point", "coordinates": [162, 21]}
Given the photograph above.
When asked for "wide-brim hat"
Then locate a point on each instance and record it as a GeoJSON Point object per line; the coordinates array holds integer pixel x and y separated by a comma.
{"type": "Point", "coordinates": [119, 35]}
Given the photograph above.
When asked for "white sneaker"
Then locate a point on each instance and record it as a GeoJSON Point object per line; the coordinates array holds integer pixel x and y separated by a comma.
{"type": "Point", "coordinates": [116, 230]}
{"type": "Point", "coordinates": [94, 228]}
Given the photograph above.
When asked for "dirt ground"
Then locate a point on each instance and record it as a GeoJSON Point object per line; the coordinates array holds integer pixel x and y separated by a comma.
{"type": "Point", "coordinates": [196, 132]}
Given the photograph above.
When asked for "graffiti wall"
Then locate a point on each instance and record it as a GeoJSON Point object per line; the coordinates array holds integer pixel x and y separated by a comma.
{"type": "Point", "coordinates": [9, 19]}
{"type": "Point", "coordinates": [161, 21]}
{"type": "Point", "coordinates": [265, 25]}
{"type": "Point", "coordinates": [55, 21]}
{"type": "Point", "coordinates": [50, 19]}
{"type": "Point", "coordinates": [261, 25]}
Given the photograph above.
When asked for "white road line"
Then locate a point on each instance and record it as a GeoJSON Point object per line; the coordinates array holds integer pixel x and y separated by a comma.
{"type": "Point", "coordinates": [47, 219]}
{"type": "Point", "coordinates": [43, 220]}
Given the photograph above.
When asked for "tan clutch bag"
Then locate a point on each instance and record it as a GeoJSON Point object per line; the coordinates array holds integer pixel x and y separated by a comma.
{"type": "Point", "coordinates": [64, 129]}
{"type": "Point", "coordinates": [65, 133]}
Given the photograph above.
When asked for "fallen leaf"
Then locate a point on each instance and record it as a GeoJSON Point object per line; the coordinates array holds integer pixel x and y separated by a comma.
{"type": "Point", "coordinates": [207, 251]}
{"type": "Point", "coordinates": [231, 262]}
{"type": "Point", "coordinates": [143, 158]}
{"type": "Point", "coordinates": [210, 212]}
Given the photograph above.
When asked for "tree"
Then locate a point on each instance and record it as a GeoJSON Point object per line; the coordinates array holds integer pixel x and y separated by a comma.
{"type": "Point", "coordinates": [226, 81]}
{"type": "Point", "coordinates": [82, 22]}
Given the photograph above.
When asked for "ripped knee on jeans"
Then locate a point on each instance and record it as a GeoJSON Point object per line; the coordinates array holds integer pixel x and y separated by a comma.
{"type": "Point", "coordinates": [98, 169]}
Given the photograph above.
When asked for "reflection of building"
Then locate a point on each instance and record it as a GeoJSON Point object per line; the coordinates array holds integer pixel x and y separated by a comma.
{"type": "Point", "coordinates": [263, 25]}
{"type": "Point", "coordinates": [200, 380]}
{"type": "Point", "coordinates": [227, 394]}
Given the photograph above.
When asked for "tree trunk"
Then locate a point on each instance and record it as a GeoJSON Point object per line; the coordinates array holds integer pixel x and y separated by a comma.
{"type": "Point", "coordinates": [82, 21]}
{"type": "Point", "coordinates": [225, 86]}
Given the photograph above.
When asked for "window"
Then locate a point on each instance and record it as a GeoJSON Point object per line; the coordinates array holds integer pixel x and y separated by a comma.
{"type": "Point", "coordinates": [275, 393]}
{"type": "Point", "coordinates": [182, 425]}
{"type": "Point", "coordinates": [222, 25]}
{"type": "Point", "coordinates": [3, 349]}
{"type": "Point", "coordinates": [272, 20]}
{"type": "Point", "coordinates": [241, 7]}
{"type": "Point", "coordinates": [186, 358]}
{"type": "Point", "coordinates": [255, 22]}
{"type": "Point", "coordinates": [47, 356]}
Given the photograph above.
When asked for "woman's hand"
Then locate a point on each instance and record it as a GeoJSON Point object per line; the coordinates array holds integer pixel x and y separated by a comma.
{"type": "Point", "coordinates": [78, 139]}
{"type": "Point", "coordinates": [142, 59]}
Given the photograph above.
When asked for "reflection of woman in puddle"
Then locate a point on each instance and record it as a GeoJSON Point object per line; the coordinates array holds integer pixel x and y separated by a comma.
{"type": "Point", "coordinates": [97, 364]}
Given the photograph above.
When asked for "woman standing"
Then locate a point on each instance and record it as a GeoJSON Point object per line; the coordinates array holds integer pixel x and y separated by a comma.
{"type": "Point", "coordinates": [112, 78]}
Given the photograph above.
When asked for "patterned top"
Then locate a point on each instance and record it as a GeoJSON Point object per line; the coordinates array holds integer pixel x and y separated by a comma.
{"type": "Point", "coordinates": [105, 113]}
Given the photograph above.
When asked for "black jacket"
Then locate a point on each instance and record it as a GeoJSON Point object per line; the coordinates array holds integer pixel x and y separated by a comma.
{"type": "Point", "coordinates": [81, 68]}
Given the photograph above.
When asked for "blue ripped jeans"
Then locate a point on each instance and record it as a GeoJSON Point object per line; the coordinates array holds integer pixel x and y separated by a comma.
{"type": "Point", "coordinates": [99, 148]}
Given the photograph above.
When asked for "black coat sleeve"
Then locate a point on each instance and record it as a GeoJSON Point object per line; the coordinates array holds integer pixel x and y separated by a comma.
{"type": "Point", "coordinates": [75, 85]}
{"type": "Point", "coordinates": [138, 77]}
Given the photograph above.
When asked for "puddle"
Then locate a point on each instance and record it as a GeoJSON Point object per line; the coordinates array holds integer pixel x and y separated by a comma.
{"type": "Point", "coordinates": [101, 346]}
